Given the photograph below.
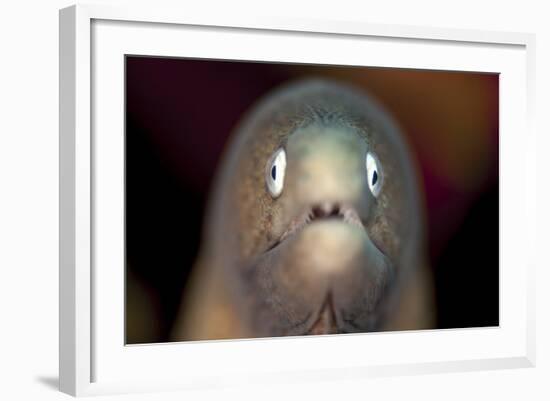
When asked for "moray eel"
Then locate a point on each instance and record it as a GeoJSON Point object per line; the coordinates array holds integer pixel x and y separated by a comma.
{"type": "Point", "coordinates": [315, 224]}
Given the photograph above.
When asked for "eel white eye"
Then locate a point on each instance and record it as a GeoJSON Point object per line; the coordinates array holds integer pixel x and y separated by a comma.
{"type": "Point", "coordinates": [275, 173]}
{"type": "Point", "coordinates": [374, 174]}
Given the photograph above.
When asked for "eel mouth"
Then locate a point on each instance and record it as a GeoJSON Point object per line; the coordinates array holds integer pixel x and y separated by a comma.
{"type": "Point", "coordinates": [320, 212]}
{"type": "Point", "coordinates": [326, 318]}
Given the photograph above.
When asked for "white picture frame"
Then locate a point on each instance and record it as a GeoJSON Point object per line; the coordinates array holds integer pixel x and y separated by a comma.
{"type": "Point", "coordinates": [93, 357]}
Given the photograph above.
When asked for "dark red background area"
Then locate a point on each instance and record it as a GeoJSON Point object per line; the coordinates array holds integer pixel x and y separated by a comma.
{"type": "Point", "coordinates": [179, 114]}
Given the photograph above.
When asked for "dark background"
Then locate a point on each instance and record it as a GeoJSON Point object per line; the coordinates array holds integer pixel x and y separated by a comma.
{"type": "Point", "coordinates": [179, 114]}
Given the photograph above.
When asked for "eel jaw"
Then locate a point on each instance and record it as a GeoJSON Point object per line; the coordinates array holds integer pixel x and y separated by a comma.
{"type": "Point", "coordinates": [326, 318]}
{"type": "Point", "coordinates": [325, 321]}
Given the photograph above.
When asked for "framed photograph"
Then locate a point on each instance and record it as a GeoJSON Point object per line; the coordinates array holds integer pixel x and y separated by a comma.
{"type": "Point", "coordinates": [263, 201]}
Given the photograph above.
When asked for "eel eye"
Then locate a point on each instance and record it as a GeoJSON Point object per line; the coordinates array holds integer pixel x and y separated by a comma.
{"type": "Point", "coordinates": [374, 174]}
{"type": "Point", "coordinates": [275, 173]}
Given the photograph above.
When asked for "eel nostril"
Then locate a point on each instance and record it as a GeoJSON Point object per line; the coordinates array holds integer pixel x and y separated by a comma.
{"type": "Point", "coordinates": [317, 212]}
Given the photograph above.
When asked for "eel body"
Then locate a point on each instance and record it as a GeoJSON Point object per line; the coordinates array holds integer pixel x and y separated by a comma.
{"type": "Point", "coordinates": [315, 224]}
